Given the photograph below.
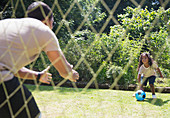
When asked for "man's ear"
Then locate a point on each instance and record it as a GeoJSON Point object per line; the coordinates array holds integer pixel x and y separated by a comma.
{"type": "Point", "coordinates": [45, 21]}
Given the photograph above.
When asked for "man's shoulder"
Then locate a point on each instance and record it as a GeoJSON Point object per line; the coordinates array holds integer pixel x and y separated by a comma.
{"type": "Point", "coordinates": [20, 19]}
{"type": "Point", "coordinates": [28, 21]}
{"type": "Point", "coordinates": [32, 21]}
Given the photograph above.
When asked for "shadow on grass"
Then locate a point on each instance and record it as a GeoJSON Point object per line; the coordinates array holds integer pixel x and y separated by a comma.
{"type": "Point", "coordinates": [63, 90]}
{"type": "Point", "coordinates": [157, 102]}
{"type": "Point", "coordinates": [40, 88]}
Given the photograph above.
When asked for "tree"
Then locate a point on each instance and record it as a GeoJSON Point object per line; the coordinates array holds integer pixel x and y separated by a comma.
{"type": "Point", "coordinates": [152, 27]}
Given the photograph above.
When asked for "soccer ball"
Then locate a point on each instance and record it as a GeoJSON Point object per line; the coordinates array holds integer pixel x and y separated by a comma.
{"type": "Point", "coordinates": [140, 95]}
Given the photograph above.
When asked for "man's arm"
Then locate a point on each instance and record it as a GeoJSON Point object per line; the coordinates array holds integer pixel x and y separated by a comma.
{"type": "Point", "coordinates": [59, 61]}
{"type": "Point", "coordinates": [25, 73]}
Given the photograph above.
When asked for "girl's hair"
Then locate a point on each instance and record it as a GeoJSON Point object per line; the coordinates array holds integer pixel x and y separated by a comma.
{"type": "Point", "coordinates": [39, 10]}
{"type": "Point", "coordinates": [150, 60]}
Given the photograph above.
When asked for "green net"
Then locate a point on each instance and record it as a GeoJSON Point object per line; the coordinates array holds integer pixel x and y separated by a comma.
{"type": "Point", "coordinates": [103, 39]}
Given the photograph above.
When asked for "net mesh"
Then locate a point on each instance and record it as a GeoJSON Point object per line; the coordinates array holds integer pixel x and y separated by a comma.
{"type": "Point", "coordinates": [98, 32]}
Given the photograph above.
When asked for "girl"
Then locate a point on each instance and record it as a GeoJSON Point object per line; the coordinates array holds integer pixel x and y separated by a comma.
{"type": "Point", "coordinates": [147, 68]}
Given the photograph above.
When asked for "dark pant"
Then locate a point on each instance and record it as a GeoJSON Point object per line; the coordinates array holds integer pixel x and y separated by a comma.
{"type": "Point", "coordinates": [16, 100]}
{"type": "Point", "coordinates": [151, 80]}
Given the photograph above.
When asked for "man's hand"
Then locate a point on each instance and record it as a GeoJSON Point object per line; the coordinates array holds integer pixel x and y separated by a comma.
{"type": "Point", "coordinates": [45, 76]}
{"type": "Point", "coordinates": [64, 68]}
{"type": "Point", "coordinates": [74, 76]}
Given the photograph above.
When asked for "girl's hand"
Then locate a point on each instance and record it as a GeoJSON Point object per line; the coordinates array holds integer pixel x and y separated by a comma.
{"type": "Point", "coordinates": [162, 76]}
{"type": "Point", "coordinates": [160, 73]}
{"type": "Point", "coordinates": [45, 77]}
{"type": "Point", "coordinates": [139, 86]}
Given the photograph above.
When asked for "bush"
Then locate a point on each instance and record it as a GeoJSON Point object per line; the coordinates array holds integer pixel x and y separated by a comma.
{"type": "Point", "coordinates": [165, 72]}
{"type": "Point", "coordinates": [115, 55]}
{"type": "Point", "coordinates": [152, 27]}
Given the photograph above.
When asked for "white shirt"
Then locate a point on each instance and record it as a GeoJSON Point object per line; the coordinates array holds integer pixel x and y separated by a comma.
{"type": "Point", "coordinates": [147, 72]}
{"type": "Point", "coordinates": [21, 42]}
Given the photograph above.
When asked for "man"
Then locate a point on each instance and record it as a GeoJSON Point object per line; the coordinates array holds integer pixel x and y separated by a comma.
{"type": "Point", "coordinates": [21, 42]}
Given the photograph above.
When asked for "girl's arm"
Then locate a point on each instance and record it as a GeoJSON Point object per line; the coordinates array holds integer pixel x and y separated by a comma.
{"type": "Point", "coordinates": [139, 81]}
{"type": "Point", "coordinates": [160, 72]}
{"type": "Point", "coordinates": [139, 77]}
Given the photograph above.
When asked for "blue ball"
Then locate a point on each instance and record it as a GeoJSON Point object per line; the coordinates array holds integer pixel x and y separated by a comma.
{"type": "Point", "coordinates": [140, 95]}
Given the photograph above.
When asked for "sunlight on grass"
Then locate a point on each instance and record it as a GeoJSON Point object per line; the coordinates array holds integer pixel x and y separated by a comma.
{"type": "Point", "coordinates": [98, 103]}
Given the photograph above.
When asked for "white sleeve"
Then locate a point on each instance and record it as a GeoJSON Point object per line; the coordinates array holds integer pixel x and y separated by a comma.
{"type": "Point", "coordinates": [52, 44]}
{"type": "Point", "coordinates": [140, 70]}
{"type": "Point", "coordinates": [47, 39]}
{"type": "Point", "coordinates": [154, 65]}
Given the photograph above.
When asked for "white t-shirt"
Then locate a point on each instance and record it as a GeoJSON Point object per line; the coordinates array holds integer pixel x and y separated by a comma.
{"type": "Point", "coordinates": [147, 72]}
{"type": "Point", "coordinates": [21, 42]}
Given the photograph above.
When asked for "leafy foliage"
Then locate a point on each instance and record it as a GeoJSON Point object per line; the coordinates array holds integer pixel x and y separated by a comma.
{"type": "Point", "coordinates": [140, 31]}
{"type": "Point", "coordinates": [113, 55]}
{"type": "Point", "coordinates": [152, 26]}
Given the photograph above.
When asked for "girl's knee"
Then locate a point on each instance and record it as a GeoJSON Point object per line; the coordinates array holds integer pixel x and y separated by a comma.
{"type": "Point", "coordinates": [151, 85]}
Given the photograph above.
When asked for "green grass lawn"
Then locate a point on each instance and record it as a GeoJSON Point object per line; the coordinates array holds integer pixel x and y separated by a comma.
{"type": "Point", "coordinates": [98, 103]}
